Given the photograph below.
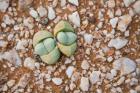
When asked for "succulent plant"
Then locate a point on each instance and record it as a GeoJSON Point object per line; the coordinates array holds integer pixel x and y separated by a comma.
{"type": "Point", "coordinates": [66, 38]}
{"type": "Point", "coordinates": [45, 47]}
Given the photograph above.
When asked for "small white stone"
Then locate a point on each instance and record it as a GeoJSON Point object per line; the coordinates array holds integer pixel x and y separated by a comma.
{"type": "Point", "coordinates": [63, 3]}
{"type": "Point", "coordinates": [109, 59]}
{"type": "Point", "coordinates": [54, 3]}
{"type": "Point", "coordinates": [117, 43]}
{"type": "Point", "coordinates": [118, 12]}
{"type": "Point", "coordinates": [51, 13]}
{"type": "Point", "coordinates": [95, 77]}
{"type": "Point", "coordinates": [128, 2]}
{"type": "Point", "coordinates": [134, 81]}
{"type": "Point", "coordinates": [4, 4]}
{"type": "Point", "coordinates": [57, 81]}
{"type": "Point", "coordinates": [111, 3]}
{"type": "Point", "coordinates": [42, 11]}
{"type": "Point", "coordinates": [125, 65]}
{"type": "Point", "coordinates": [69, 71]}
{"type": "Point", "coordinates": [88, 38]}
{"type": "Point", "coordinates": [75, 2]}
{"type": "Point", "coordinates": [16, 27]}
{"type": "Point", "coordinates": [5, 88]}
{"type": "Point", "coordinates": [72, 86]}
{"type": "Point", "coordinates": [109, 76]}
{"type": "Point", "coordinates": [68, 60]}
{"type": "Point", "coordinates": [114, 22]}
{"type": "Point", "coordinates": [85, 64]}
{"type": "Point", "coordinates": [120, 81]}
{"type": "Point", "coordinates": [75, 18]}
{"type": "Point", "coordinates": [123, 23]}
{"type": "Point", "coordinates": [136, 7]}
{"type": "Point", "coordinates": [11, 56]}
{"type": "Point", "coordinates": [3, 25]}
{"type": "Point", "coordinates": [110, 13]}
{"type": "Point", "coordinates": [33, 13]}
{"type": "Point", "coordinates": [10, 83]}
{"type": "Point", "coordinates": [99, 91]}
{"type": "Point", "coordinates": [126, 33]}
{"type": "Point", "coordinates": [131, 12]}
{"type": "Point", "coordinates": [37, 65]}
{"type": "Point", "coordinates": [21, 44]}
{"type": "Point", "coordinates": [100, 24]}
{"type": "Point", "coordinates": [133, 91]}
{"type": "Point", "coordinates": [8, 20]}
{"type": "Point", "coordinates": [138, 88]}
{"type": "Point", "coordinates": [29, 63]}
{"type": "Point", "coordinates": [28, 22]}
{"type": "Point", "coordinates": [84, 84]}
{"type": "Point", "coordinates": [3, 43]}
{"type": "Point", "coordinates": [113, 72]}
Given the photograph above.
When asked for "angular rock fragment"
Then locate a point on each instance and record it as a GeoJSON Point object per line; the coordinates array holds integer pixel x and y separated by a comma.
{"type": "Point", "coordinates": [123, 23]}
{"type": "Point", "coordinates": [75, 18]}
{"type": "Point", "coordinates": [4, 4]}
{"type": "Point", "coordinates": [51, 13]}
{"type": "Point", "coordinates": [11, 56]}
{"type": "Point", "coordinates": [57, 81]}
{"type": "Point", "coordinates": [95, 77]}
{"type": "Point", "coordinates": [125, 65]}
{"type": "Point", "coordinates": [136, 7]}
{"type": "Point", "coordinates": [84, 84]}
{"type": "Point", "coordinates": [128, 2]}
{"type": "Point", "coordinates": [117, 43]}
{"type": "Point", "coordinates": [75, 2]}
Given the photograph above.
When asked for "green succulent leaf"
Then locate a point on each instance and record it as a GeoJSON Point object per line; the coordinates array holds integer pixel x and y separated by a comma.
{"type": "Point", "coordinates": [41, 35]}
{"type": "Point", "coordinates": [49, 44]}
{"type": "Point", "coordinates": [52, 57]}
{"type": "Point", "coordinates": [45, 46]}
{"type": "Point", "coordinates": [62, 37]}
{"type": "Point", "coordinates": [66, 38]}
{"type": "Point", "coordinates": [68, 50]}
{"type": "Point", "coordinates": [71, 37]}
{"type": "Point", "coordinates": [40, 49]}
{"type": "Point", "coordinates": [63, 26]}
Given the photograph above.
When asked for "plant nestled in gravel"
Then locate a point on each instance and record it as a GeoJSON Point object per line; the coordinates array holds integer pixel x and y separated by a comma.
{"type": "Point", "coordinates": [45, 46]}
{"type": "Point", "coordinates": [66, 38]}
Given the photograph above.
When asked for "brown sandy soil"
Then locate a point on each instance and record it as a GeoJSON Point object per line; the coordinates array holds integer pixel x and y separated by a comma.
{"type": "Point", "coordinates": [95, 69]}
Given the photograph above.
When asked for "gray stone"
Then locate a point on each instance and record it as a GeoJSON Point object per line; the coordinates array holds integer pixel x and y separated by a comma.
{"type": "Point", "coordinates": [75, 18]}
{"type": "Point", "coordinates": [123, 23]}
{"type": "Point", "coordinates": [4, 4]}
{"type": "Point", "coordinates": [85, 65]}
{"type": "Point", "coordinates": [117, 43]}
{"type": "Point", "coordinates": [69, 71]}
{"type": "Point", "coordinates": [33, 13]}
{"type": "Point", "coordinates": [29, 63]}
{"type": "Point", "coordinates": [114, 22]}
{"type": "Point", "coordinates": [84, 84]}
{"type": "Point", "coordinates": [136, 7]}
{"type": "Point", "coordinates": [128, 2]}
{"type": "Point", "coordinates": [88, 38]}
{"type": "Point", "coordinates": [42, 11]}
{"type": "Point", "coordinates": [51, 13]}
{"type": "Point", "coordinates": [74, 2]}
{"type": "Point", "coordinates": [11, 56]}
{"type": "Point", "coordinates": [95, 77]}
{"type": "Point", "coordinates": [125, 65]}
{"type": "Point", "coordinates": [57, 81]}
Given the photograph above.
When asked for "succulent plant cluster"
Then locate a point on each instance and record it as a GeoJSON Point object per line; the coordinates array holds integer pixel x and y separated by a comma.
{"type": "Point", "coordinates": [48, 47]}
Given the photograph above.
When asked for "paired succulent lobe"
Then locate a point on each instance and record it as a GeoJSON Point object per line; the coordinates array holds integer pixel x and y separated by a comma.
{"type": "Point", "coordinates": [45, 46]}
{"type": "Point", "coordinates": [66, 38]}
